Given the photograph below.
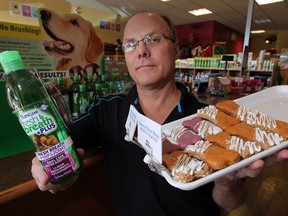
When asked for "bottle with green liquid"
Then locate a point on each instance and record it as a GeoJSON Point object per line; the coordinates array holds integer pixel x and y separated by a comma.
{"type": "Point", "coordinates": [40, 119]}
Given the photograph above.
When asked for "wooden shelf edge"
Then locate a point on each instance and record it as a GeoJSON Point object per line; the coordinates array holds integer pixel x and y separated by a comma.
{"type": "Point", "coordinates": [30, 186]}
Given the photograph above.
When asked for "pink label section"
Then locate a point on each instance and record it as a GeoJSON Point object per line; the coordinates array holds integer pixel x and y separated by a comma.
{"type": "Point", "coordinates": [59, 166]}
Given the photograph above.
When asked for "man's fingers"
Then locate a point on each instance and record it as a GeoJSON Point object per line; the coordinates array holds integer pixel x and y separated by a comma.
{"type": "Point", "coordinates": [252, 170]}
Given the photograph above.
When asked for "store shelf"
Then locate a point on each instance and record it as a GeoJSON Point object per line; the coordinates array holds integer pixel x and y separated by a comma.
{"type": "Point", "coordinates": [233, 72]}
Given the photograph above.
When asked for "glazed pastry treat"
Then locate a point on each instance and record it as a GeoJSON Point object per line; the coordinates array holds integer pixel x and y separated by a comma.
{"type": "Point", "coordinates": [201, 127]}
{"type": "Point", "coordinates": [228, 106]}
{"type": "Point", "coordinates": [264, 138]}
{"type": "Point", "coordinates": [184, 168]}
{"type": "Point", "coordinates": [183, 136]}
{"type": "Point", "coordinates": [244, 148]}
{"type": "Point", "coordinates": [192, 124]}
{"type": "Point", "coordinates": [167, 146]}
{"type": "Point", "coordinates": [216, 157]}
{"type": "Point", "coordinates": [168, 160]}
{"type": "Point", "coordinates": [207, 128]}
{"type": "Point", "coordinates": [218, 117]}
{"type": "Point", "coordinates": [254, 118]}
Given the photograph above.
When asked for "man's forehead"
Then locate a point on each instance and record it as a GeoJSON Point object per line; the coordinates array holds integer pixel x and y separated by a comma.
{"type": "Point", "coordinates": [144, 24]}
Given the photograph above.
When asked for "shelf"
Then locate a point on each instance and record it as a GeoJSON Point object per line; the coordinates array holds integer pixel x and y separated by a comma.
{"type": "Point", "coordinates": [222, 69]}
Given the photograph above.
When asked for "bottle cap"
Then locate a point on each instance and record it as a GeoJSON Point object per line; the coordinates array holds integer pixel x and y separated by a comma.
{"type": "Point", "coordinates": [90, 77]}
{"type": "Point", "coordinates": [76, 78]}
{"type": "Point", "coordinates": [59, 80]}
{"type": "Point", "coordinates": [98, 86]}
{"type": "Point", "coordinates": [11, 61]}
{"type": "Point", "coordinates": [82, 88]}
{"type": "Point", "coordinates": [111, 85]}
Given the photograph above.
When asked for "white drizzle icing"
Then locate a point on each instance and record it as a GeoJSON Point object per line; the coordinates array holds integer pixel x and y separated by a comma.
{"type": "Point", "coordinates": [199, 147]}
{"type": "Point", "coordinates": [184, 164]}
{"type": "Point", "coordinates": [210, 111]}
{"type": "Point", "coordinates": [177, 131]}
{"type": "Point", "coordinates": [240, 145]}
{"type": "Point", "coordinates": [271, 138]}
{"type": "Point", "coordinates": [206, 127]}
{"type": "Point", "coordinates": [255, 118]}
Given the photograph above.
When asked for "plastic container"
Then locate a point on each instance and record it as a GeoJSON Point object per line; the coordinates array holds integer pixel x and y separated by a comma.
{"type": "Point", "coordinates": [40, 119]}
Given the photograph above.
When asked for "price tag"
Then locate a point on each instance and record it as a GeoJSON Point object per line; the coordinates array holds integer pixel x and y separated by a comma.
{"type": "Point", "coordinates": [149, 136]}
{"type": "Point", "coordinates": [131, 122]}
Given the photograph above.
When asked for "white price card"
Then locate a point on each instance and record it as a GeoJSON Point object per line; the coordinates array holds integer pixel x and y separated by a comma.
{"type": "Point", "coordinates": [149, 136]}
{"type": "Point", "coordinates": [131, 122]}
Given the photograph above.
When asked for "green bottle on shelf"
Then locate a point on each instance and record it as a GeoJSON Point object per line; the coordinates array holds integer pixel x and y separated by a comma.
{"type": "Point", "coordinates": [63, 90]}
{"type": "Point", "coordinates": [98, 91]}
{"type": "Point", "coordinates": [73, 92]}
{"type": "Point", "coordinates": [40, 119]}
{"type": "Point", "coordinates": [90, 87]}
{"type": "Point", "coordinates": [82, 99]}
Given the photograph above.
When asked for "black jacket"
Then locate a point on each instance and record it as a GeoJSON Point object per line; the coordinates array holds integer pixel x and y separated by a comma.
{"type": "Point", "coordinates": [138, 191]}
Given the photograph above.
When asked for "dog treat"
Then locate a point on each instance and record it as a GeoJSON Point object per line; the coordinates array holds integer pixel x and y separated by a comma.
{"type": "Point", "coordinates": [201, 127]}
{"type": "Point", "coordinates": [264, 138]}
{"type": "Point", "coordinates": [183, 136]}
{"type": "Point", "coordinates": [253, 117]}
{"type": "Point", "coordinates": [228, 106]}
{"type": "Point", "coordinates": [207, 128]}
{"type": "Point", "coordinates": [216, 157]}
{"type": "Point", "coordinates": [217, 137]}
{"type": "Point", "coordinates": [218, 117]}
{"type": "Point", "coordinates": [168, 160]}
{"type": "Point", "coordinates": [225, 140]}
{"type": "Point", "coordinates": [167, 146]}
{"type": "Point", "coordinates": [192, 124]}
{"type": "Point", "coordinates": [184, 168]}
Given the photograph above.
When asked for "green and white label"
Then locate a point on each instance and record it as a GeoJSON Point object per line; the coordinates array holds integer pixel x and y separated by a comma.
{"type": "Point", "coordinates": [37, 121]}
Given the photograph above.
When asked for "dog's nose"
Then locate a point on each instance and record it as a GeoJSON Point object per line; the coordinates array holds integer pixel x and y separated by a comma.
{"type": "Point", "coordinates": [45, 15]}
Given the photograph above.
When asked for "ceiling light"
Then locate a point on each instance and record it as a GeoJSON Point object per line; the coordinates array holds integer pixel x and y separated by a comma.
{"type": "Point", "coordinates": [164, 0]}
{"type": "Point", "coordinates": [264, 2]}
{"type": "Point", "coordinates": [261, 21]}
{"type": "Point", "coordinates": [257, 31]}
{"type": "Point", "coordinates": [200, 12]}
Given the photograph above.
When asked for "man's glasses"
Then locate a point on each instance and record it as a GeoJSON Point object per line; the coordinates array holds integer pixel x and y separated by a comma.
{"type": "Point", "coordinates": [131, 45]}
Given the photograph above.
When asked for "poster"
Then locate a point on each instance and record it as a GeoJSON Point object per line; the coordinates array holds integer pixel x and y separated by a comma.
{"type": "Point", "coordinates": [62, 45]}
{"type": "Point", "coordinates": [27, 40]}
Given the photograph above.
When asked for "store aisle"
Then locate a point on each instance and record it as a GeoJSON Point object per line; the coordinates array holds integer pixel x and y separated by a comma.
{"type": "Point", "coordinates": [268, 193]}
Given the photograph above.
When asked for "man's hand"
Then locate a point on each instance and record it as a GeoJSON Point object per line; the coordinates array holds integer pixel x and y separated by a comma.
{"type": "Point", "coordinates": [42, 179]}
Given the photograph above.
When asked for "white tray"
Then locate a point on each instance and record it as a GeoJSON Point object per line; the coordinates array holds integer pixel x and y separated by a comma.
{"type": "Point", "coordinates": [273, 101]}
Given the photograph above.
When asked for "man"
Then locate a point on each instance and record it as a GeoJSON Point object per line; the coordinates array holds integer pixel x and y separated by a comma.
{"type": "Point", "coordinates": [151, 48]}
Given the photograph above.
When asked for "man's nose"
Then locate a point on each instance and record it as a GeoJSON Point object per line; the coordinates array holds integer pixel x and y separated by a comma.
{"type": "Point", "coordinates": [143, 49]}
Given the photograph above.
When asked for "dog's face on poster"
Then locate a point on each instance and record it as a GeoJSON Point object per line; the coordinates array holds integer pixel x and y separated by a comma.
{"type": "Point", "coordinates": [74, 39]}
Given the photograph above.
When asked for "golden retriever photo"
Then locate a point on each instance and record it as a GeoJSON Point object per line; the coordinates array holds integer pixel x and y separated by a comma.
{"type": "Point", "coordinates": [75, 41]}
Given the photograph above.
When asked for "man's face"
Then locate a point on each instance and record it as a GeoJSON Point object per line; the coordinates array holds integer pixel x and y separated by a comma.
{"type": "Point", "coordinates": [150, 65]}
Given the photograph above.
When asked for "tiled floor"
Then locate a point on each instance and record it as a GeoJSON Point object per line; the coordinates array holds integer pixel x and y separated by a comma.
{"type": "Point", "coordinates": [268, 194]}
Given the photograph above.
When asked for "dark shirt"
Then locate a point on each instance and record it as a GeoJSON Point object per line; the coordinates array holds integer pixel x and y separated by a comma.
{"type": "Point", "coordinates": [136, 189]}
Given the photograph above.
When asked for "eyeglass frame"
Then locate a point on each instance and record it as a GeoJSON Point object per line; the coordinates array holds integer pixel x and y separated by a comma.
{"type": "Point", "coordinates": [147, 37]}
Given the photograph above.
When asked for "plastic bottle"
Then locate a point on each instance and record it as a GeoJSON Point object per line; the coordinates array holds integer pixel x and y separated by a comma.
{"type": "Point", "coordinates": [111, 87]}
{"type": "Point", "coordinates": [40, 119]}
{"type": "Point", "coordinates": [73, 92]}
{"type": "Point", "coordinates": [104, 85]}
{"type": "Point", "coordinates": [82, 99]}
{"type": "Point", "coordinates": [63, 89]}
{"type": "Point", "coordinates": [90, 87]}
{"type": "Point", "coordinates": [97, 91]}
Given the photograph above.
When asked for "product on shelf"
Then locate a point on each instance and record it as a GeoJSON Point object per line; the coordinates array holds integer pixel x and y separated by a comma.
{"type": "Point", "coordinates": [83, 99]}
{"type": "Point", "coordinates": [73, 92]}
{"type": "Point", "coordinates": [63, 89]}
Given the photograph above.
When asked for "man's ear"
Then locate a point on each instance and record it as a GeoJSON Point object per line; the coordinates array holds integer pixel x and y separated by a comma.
{"type": "Point", "coordinates": [176, 49]}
